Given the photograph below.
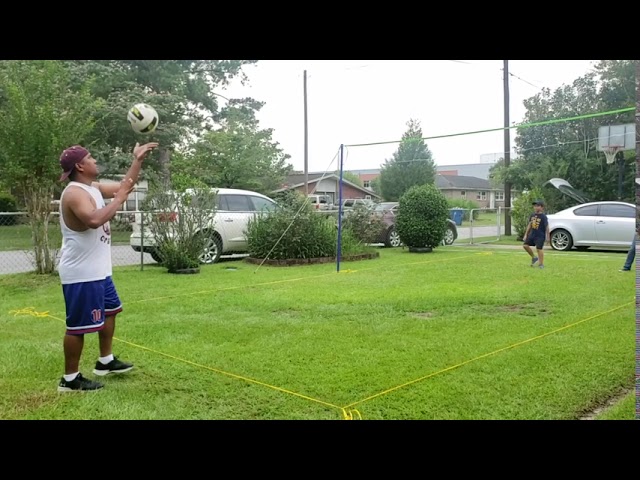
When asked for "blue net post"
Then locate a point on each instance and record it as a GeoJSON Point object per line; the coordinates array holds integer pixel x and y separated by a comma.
{"type": "Point", "coordinates": [339, 252]}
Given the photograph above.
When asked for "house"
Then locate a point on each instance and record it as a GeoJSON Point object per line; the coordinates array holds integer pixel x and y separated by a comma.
{"type": "Point", "coordinates": [327, 184]}
{"type": "Point", "coordinates": [475, 189]}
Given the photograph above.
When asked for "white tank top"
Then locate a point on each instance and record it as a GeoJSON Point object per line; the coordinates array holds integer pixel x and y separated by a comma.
{"type": "Point", "coordinates": [85, 256]}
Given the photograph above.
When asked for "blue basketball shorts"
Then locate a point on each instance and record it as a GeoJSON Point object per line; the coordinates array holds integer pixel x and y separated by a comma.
{"type": "Point", "coordinates": [538, 242]}
{"type": "Point", "coordinates": [88, 304]}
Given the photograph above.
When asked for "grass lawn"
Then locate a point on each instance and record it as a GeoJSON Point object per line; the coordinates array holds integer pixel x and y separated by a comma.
{"type": "Point", "coordinates": [18, 237]}
{"type": "Point", "coordinates": [625, 409]}
{"type": "Point", "coordinates": [455, 334]}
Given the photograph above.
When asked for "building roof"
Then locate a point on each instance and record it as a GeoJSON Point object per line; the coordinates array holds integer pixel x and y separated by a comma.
{"type": "Point", "coordinates": [462, 182]}
{"type": "Point", "coordinates": [297, 180]}
{"type": "Point", "coordinates": [480, 170]}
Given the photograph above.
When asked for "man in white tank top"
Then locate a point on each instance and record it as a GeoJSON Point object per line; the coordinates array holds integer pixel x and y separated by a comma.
{"type": "Point", "coordinates": [90, 296]}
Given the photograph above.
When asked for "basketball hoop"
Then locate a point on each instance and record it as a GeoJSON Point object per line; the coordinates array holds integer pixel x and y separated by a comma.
{"type": "Point", "coordinates": [610, 152]}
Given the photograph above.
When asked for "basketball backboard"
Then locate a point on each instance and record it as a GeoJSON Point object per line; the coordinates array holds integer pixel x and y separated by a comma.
{"type": "Point", "coordinates": [621, 136]}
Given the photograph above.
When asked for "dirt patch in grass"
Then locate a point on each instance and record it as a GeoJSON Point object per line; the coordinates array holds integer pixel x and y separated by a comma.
{"type": "Point", "coordinates": [603, 405]}
{"type": "Point", "coordinates": [286, 313]}
{"type": "Point", "coordinates": [526, 309]}
{"type": "Point", "coordinates": [31, 402]}
{"type": "Point", "coordinates": [422, 315]}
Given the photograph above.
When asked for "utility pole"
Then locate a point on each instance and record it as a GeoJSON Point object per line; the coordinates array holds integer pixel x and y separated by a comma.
{"type": "Point", "coordinates": [306, 139]}
{"type": "Point", "coordinates": [507, 151]}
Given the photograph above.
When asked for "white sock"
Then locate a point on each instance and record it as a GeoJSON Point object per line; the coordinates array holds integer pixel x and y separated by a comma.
{"type": "Point", "coordinates": [71, 377]}
{"type": "Point", "coordinates": [106, 360]}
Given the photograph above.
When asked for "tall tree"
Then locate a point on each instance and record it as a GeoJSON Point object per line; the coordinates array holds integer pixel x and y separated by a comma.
{"type": "Point", "coordinates": [350, 177]}
{"type": "Point", "coordinates": [412, 164]}
{"type": "Point", "coordinates": [40, 116]}
{"type": "Point", "coordinates": [239, 154]}
{"type": "Point", "coordinates": [569, 149]}
{"type": "Point", "coordinates": [182, 91]}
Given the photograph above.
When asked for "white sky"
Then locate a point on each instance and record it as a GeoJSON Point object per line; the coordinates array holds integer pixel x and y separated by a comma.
{"type": "Point", "coordinates": [362, 101]}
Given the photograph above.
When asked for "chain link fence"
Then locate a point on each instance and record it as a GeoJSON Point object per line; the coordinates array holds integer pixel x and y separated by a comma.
{"type": "Point", "coordinates": [480, 225]}
{"type": "Point", "coordinates": [17, 243]}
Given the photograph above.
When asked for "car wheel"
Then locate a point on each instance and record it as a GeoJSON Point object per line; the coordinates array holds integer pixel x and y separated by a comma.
{"type": "Point", "coordinates": [212, 250]}
{"type": "Point", "coordinates": [449, 236]}
{"type": "Point", "coordinates": [156, 256]}
{"type": "Point", "coordinates": [561, 240]}
{"type": "Point", "coordinates": [393, 239]}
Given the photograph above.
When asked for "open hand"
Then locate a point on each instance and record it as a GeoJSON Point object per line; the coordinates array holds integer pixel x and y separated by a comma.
{"type": "Point", "coordinates": [126, 187]}
{"type": "Point", "coordinates": [140, 151]}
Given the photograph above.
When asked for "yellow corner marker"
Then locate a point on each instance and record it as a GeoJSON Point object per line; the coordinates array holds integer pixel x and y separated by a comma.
{"type": "Point", "coordinates": [349, 414]}
{"type": "Point", "coordinates": [30, 311]}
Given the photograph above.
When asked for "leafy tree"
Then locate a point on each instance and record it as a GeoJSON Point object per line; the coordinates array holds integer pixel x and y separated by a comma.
{"type": "Point", "coordinates": [240, 154]}
{"type": "Point", "coordinates": [182, 91]}
{"type": "Point", "coordinates": [350, 177]}
{"type": "Point", "coordinates": [412, 164]}
{"type": "Point", "coordinates": [40, 116]}
{"type": "Point", "coordinates": [569, 149]}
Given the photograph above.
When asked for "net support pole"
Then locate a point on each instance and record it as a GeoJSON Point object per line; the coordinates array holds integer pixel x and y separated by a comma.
{"type": "Point", "coordinates": [339, 247]}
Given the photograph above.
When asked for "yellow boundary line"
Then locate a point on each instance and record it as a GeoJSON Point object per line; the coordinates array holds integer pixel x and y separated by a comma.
{"type": "Point", "coordinates": [453, 367]}
{"type": "Point", "coordinates": [348, 413]}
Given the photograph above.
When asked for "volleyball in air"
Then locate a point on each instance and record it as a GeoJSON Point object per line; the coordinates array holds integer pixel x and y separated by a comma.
{"type": "Point", "coordinates": [143, 118]}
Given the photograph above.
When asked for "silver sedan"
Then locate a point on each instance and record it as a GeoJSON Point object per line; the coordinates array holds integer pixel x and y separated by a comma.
{"type": "Point", "coordinates": [609, 225]}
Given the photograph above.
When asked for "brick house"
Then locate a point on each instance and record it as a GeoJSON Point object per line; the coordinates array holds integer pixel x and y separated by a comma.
{"type": "Point", "coordinates": [475, 189]}
{"type": "Point", "coordinates": [327, 185]}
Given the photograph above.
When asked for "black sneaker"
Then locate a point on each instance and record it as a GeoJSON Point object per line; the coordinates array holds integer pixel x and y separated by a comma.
{"type": "Point", "coordinates": [114, 366]}
{"type": "Point", "coordinates": [78, 384]}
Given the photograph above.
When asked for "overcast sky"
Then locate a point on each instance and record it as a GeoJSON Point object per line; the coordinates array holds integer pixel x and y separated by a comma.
{"type": "Point", "coordinates": [363, 101]}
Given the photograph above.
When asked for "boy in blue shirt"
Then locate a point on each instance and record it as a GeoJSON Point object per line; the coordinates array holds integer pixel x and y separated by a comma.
{"type": "Point", "coordinates": [537, 233]}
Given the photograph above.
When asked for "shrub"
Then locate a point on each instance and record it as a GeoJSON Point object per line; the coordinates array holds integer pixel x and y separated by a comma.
{"type": "Point", "coordinates": [8, 203]}
{"type": "Point", "coordinates": [296, 231]}
{"type": "Point", "coordinates": [305, 233]}
{"type": "Point", "coordinates": [423, 216]}
{"type": "Point", "coordinates": [468, 205]}
{"type": "Point", "coordinates": [522, 209]}
{"type": "Point", "coordinates": [361, 222]}
{"type": "Point", "coordinates": [178, 224]}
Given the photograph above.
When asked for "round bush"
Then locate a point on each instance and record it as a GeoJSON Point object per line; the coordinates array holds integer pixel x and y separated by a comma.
{"type": "Point", "coordinates": [422, 217]}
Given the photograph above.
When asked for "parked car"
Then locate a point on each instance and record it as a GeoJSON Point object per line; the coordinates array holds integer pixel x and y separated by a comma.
{"type": "Point", "coordinates": [606, 224]}
{"type": "Point", "coordinates": [321, 202]}
{"type": "Point", "coordinates": [227, 229]}
{"type": "Point", "coordinates": [389, 236]}
{"type": "Point", "coordinates": [594, 224]}
{"type": "Point", "coordinates": [350, 203]}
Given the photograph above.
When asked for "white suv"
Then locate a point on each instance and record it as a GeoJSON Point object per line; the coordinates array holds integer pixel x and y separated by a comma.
{"type": "Point", "coordinates": [227, 231]}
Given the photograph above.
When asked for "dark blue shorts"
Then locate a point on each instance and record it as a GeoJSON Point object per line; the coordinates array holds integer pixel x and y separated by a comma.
{"type": "Point", "coordinates": [538, 242]}
{"type": "Point", "coordinates": [88, 304]}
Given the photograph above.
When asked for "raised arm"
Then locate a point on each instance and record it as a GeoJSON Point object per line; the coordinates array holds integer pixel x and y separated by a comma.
{"type": "Point", "coordinates": [88, 213]}
{"type": "Point", "coordinates": [139, 153]}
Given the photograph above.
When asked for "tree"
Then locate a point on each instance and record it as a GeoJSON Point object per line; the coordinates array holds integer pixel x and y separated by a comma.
{"type": "Point", "coordinates": [375, 185]}
{"type": "Point", "coordinates": [182, 91]}
{"type": "Point", "coordinates": [569, 149]}
{"type": "Point", "coordinates": [350, 177]}
{"type": "Point", "coordinates": [40, 116]}
{"type": "Point", "coordinates": [240, 154]}
{"type": "Point", "coordinates": [412, 164]}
